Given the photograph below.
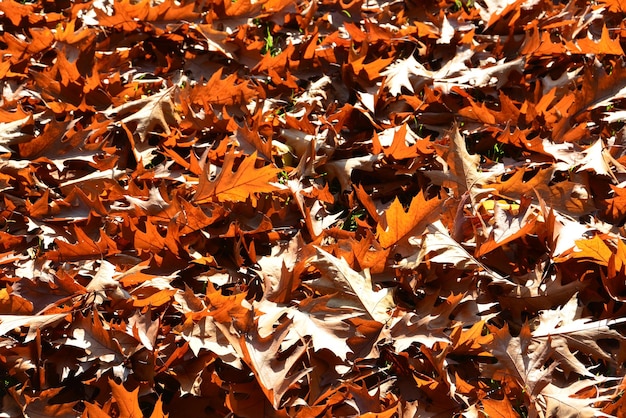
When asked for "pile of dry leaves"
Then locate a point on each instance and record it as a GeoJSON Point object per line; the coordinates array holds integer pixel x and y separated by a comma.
{"type": "Point", "coordinates": [312, 208]}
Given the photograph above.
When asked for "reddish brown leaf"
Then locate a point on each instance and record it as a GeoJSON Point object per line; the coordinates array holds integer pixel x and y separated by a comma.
{"type": "Point", "coordinates": [83, 248]}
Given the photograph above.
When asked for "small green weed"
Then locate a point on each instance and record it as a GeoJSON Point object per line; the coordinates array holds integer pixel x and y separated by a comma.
{"type": "Point", "coordinates": [270, 44]}
{"type": "Point", "coordinates": [351, 222]}
{"type": "Point", "coordinates": [497, 153]}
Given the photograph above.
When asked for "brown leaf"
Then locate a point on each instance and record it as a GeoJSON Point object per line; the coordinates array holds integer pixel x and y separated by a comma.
{"type": "Point", "coordinates": [13, 304]}
{"type": "Point", "coordinates": [222, 92]}
{"type": "Point", "coordinates": [84, 247]}
{"type": "Point", "coordinates": [148, 113]}
{"type": "Point", "coordinates": [567, 334]}
{"type": "Point", "coordinates": [462, 174]}
{"type": "Point", "coordinates": [499, 408]}
{"type": "Point", "coordinates": [127, 402]}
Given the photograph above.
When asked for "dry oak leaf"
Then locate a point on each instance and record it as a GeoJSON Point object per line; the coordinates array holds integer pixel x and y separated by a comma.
{"type": "Point", "coordinates": [605, 45]}
{"type": "Point", "coordinates": [499, 409]}
{"type": "Point", "coordinates": [262, 356]}
{"type": "Point", "coordinates": [84, 247]}
{"type": "Point", "coordinates": [100, 344]}
{"type": "Point", "coordinates": [615, 6]}
{"type": "Point", "coordinates": [15, 11]}
{"type": "Point", "coordinates": [237, 186]}
{"type": "Point", "coordinates": [399, 74]}
{"type": "Point", "coordinates": [128, 402]}
{"type": "Point", "coordinates": [128, 16]}
{"type": "Point", "coordinates": [13, 304]}
{"type": "Point", "coordinates": [397, 224]}
{"type": "Point", "coordinates": [508, 227]}
{"type": "Point", "coordinates": [616, 205]}
{"type": "Point", "coordinates": [540, 289]}
{"type": "Point", "coordinates": [327, 327]}
{"type": "Point", "coordinates": [567, 401]}
{"type": "Point", "coordinates": [157, 110]}
{"type": "Point", "coordinates": [34, 322]}
{"type": "Point", "coordinates": [593, 249]}
{"type": "Point", "coordinates": [441, 248]}
{"type": "Point", "coordinates": [221, 92]}
{"type": "Point", "coordinates": [520, 361]}
{"type": "Point", "coordinates": [461, 173]}
{"type": "Point", "coordinates": [349, 288]}
{"type": "Point", "coordinates": [400, 143]}
{"type": "Point", "coordinates": [614, 279]}
{"type": "Point", "coordinates": [568, 334]}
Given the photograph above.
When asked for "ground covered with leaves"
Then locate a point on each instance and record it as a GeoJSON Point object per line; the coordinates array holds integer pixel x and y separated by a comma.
{"type": "Point", "coordinates": [312, 208]}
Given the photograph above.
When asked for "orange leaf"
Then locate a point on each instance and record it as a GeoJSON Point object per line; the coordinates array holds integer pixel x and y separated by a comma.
{"type": "Point", "coordinates": [606, 45]}
{"type": "Point", "coordinates": [226, 92]}
{"type": "Point", "coordinates": [367, 202]}
{"type": "Point", "coordinates": [515, 187]}
{"type": "Point", "coordinates": [15, 11]}
{"type": "Point", "coordinates": [616, 206]}
{"type": "Point", "coordinates": [397, 223]}
{"type": "Point", "coordinates": [236, 186]}
{"type": "Point", "coordinates": [157, 412]}
{"type": "Point", "coordinates": [613, 281]}
{"type": "Point", "coordinates": [594, 249]}
{"type": "Point", "coordinates": [127, 402]}
{"type": "Point", "coordinates": [84, 248]}
{"type": "Point", "coordinates": [499, 409]}
{"type": "Point", "coordinates": [12, 304]}
{"type": "Point", "coordinates": [615, 6]}
{"type": "Point", "coordinates": [157, 299]}
{"type": "Point", "coordinates": [94, 411]}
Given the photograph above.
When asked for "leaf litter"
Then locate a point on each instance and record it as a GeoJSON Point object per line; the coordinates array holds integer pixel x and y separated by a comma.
{"type": "Point", "coordinates": [279, 208]}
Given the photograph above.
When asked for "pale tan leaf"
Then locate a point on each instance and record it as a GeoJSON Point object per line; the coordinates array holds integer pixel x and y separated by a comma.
{"type": "Point", "coordinates": [148, 113]}
{"type": "Point", "coordinates": [272, 373]}
{"type": "Point", "coordinates": [34, 322]}
{"type": "Point", "coordinates": [462, 173]}
{"type": "Point", "coordinates": [350, 288]}
{"type": "Point", "coordinates": [568, 334]}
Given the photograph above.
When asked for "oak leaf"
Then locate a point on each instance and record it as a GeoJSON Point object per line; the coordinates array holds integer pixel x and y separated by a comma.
{"type": "Point", "coordinates": [128, 402]}
{"type": "Point", "coordinates": [605, 45]}
{"type": "Point", "coordinates": [148, 113]}
{"type": "Point", "coordinates": [614, 6]}
{"type": "Point", "coordinates": [350, 288]}
{"type": "Point", "coordinates": [522, 361]}
{"type": "Point", "coordinates": [312, 318]}
{"type": "Point", "coordinates": [499, 408]}
{"type": "Point", "coordinates": [396, 224]}
{"type": "Point", "coordinates": [566, 402]}
{"type": "Point", "coordinates": [34, 322]}
{"type": "Point", "coordinates": [462, 171]}
{"type": "Point", "coordinates": [84, 247]}
{"type": "Point", "coordinates": [593, 249]}
{"type": "Point", "coordinates": [273, 374]}
{"type": "Point", "coordinates": [508, 227]}
{"type": "Point", "coordinates": [239, 185]}
{"type": "Point", "coordinates": [221, 92]}
{"type": "Point", "coordinates": [567, 334]}
{"type": "Point", "coordinates": [398, 75]}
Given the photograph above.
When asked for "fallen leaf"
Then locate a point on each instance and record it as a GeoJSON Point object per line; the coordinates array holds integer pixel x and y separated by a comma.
{"type": "Point", "coordinates": [239, 185]}
{"type": "Point", "coordinates": [396, 224]}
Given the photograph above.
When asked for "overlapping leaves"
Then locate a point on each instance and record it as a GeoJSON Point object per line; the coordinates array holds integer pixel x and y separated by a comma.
{"type": "Point", "coordinates": [311, 209]}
